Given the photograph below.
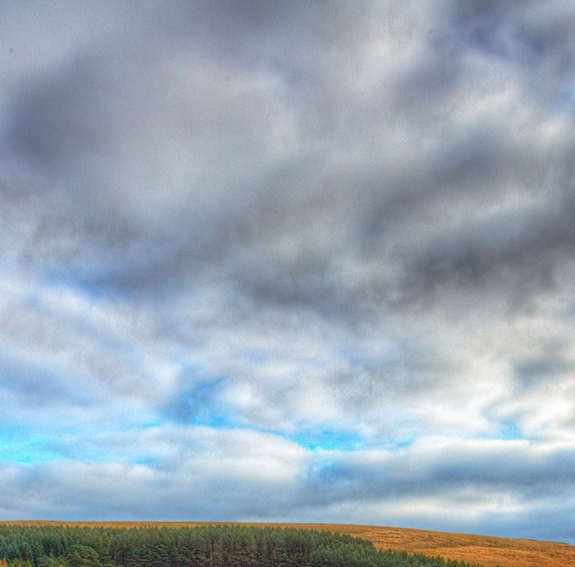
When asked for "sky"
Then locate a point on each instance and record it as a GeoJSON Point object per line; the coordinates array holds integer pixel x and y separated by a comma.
{"type": "Point", "coordinates": [306, 261]}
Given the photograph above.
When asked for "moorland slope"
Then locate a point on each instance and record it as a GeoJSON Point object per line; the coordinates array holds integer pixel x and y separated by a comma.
{"type": "Point", "coordinates": [488, 551]}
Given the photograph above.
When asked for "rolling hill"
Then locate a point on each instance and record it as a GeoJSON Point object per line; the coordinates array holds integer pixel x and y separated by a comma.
{"type": "Point", "coordinates": [488, 551]}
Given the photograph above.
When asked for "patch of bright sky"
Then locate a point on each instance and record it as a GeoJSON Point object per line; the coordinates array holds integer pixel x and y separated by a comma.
{"type": "Point", "coordinates": [505, 431]}
{"type": "Point", "coordinates": [509, 431]}
{"type": "Point", "coordinates": [327, 440]}
{"type": "Point", "coordinates": [20, 445]}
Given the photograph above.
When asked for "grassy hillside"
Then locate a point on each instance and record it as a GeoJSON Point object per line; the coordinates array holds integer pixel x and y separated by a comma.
{"type": "Point", "coordinates": [489, 551]}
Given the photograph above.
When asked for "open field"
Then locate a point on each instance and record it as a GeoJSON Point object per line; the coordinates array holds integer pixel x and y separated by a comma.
{"type": "Point", "coordinates": [489, 551]}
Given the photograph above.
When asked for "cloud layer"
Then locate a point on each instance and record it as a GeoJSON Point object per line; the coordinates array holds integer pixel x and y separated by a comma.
{"type": "Point", "coordinates": [289, 261]}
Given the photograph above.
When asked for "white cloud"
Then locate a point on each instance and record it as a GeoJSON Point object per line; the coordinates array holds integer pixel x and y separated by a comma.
{"type": "Point", "coordinates": [236, 238]}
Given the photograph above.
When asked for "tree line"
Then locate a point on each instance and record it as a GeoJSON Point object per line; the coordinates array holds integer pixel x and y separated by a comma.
{"type": "Point", "coordinates": [202, 546]}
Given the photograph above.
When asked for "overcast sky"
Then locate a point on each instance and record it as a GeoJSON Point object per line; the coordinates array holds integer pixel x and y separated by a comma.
{"type": "Point", "coordinates": [304, 261]}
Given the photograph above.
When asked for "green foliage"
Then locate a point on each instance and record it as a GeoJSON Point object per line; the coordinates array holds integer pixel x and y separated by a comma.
{"type": "Point", "coordinates": [83, 556]}
{"type": "Point", "coordinates": [204, 546]}
{"type": "Point", "coordinates": [19, 563]}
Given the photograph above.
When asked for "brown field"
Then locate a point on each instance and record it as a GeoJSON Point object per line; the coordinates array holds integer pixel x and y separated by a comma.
{"type": "Point", "coordinates": [488, 551]}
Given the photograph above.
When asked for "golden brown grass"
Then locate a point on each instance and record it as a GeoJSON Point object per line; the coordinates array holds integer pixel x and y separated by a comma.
{"type": "Point", "coordinates": [488, 551]}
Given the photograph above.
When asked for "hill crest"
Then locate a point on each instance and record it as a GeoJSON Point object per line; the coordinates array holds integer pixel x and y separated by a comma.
{"type": "Point", "coordinates": [487, 550]}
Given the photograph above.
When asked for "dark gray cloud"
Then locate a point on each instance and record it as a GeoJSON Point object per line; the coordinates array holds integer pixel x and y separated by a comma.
{"type": "Point", "coordinates": [238, 237]}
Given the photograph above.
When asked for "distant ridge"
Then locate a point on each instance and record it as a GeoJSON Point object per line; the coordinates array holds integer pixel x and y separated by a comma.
{"type": "Point", "coordinates": [487, 550]}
